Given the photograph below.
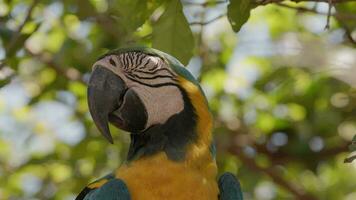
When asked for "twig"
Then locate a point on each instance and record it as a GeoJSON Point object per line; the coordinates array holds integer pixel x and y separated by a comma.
{"type": "Point", "coordinates": [6, 76]}
{"type": "Point", "coordinates": [299, 193]}
{"type": "Point", "coordinates": [303, 9]}
{"type": "Point", "coordinates": [274, 158]}
{"type": "Point", "coordinates": [325, 1]}
{"type": "Point", "coordinates": [207, 22]}
{"type": "Point", "coordinates": [327, 26]}
{"type": "Point", "coordinates": [348, 32]}
{"type": "Point", "coordinates": [281, 157]}
{"type": "Point", "coordinates": [17, 34]}
{"type": "Point", "coordinates": [2, 64]}
{"type": "Point", "coordinates": [279, 3]}
{"type": "Point", "coordinates": [350, 159]}
{"type": "Point", "coordinates": [265, 2]}
{"type": "Point", "coordinates": [69, 73]}
{"type": "Point", "coordinates": [207, 3]}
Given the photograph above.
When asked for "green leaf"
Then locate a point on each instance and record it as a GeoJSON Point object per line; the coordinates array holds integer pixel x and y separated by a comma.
{"type": "Point", "coordinates": [5, 34]}
{"type": "Point", "coordinates": [172, 33]}
{"type": "Point", "coordinates": [4, 82]}
{"type": "Point", "coordinates": [238, 12]}
{"type": "Point", "coordinates": [347, 8]}
{"type": "Point", "coordinates": [85, 9]}
{"type": "Point", "coordinates": [134, 13]}
{"type": "Point", "coordinates": [352, 146]}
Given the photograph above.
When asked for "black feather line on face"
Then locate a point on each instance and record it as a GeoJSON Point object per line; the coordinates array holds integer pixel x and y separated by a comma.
{"type": "Point", "coordinates": [131, 59]}
{"type": "Point", "coordinates": [126, 61]}
{"type": "Point", "coordinates": [144, 66]}
{"type": "Point", "coordinates": [136, 57]}
{"type": "Point", "coordinates": [141, 59]}
{"type": "Point", "coordinates": [152, 68]}
{"type": "Point", "coordinates": [151, 77]}
{"type": "Point", "coordinates": [158, 70]}
{"type": "Point", "coordinates": [151, 85]}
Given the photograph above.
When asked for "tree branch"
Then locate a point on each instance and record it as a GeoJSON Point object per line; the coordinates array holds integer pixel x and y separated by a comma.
{"type": "Point", "coordinates": [69, 73]}
{"type": "Point", "coordinates": [275, 159]}
{"type": "Point", "coordinates": [299, 193]}
{"type": "Point", "coordinates": [205, 4]}
{"type": "Point", "coordinates": [2, 64]}
{"type": "Point", "coordinates": [265, 2]}
{"type": "Point", "coordinates": [281, 157]}
{"type": "Point", "coordinates": [302, 9]}
{"type": "Point", "coordinates": [207, 22]}
{"type": "Point", "coordinates": [348, 32]}
{"type": "Point", "coordinates": [350, 159]}
{"type": "Point", "coordinates": [327, 26]}
{"type": "Point", "coordinates": [17, 34]}
{"type": "Point", "coordinates": [279, 3]}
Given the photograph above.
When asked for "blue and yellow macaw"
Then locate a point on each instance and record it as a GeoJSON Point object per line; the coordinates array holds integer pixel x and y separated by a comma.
{"type": "Point", "coordinates": [171, 157]}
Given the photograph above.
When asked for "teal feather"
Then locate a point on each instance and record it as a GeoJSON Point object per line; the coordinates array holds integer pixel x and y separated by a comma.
{"type": "Point", "coordinates": [229, 187]}
{"type": "Point", "coordinates": [212, 149]}
{"type": "Point", "coordinates": [113, 189]}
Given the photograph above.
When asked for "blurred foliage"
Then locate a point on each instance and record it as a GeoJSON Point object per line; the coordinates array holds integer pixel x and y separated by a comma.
{"type": "Point", "coordinates": [282, 90]}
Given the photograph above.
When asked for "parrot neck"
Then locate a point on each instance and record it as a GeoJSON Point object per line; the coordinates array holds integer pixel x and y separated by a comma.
{"type": "Point", "coordinates": [186, 136]}
{"type": "Point", "coordinates": [182, 146]}
{"type": "Point", "coordinates": [172, 137]}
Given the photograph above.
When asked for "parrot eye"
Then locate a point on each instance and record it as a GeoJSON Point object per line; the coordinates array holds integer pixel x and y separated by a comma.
{"type": "Point", "coordinates": [112, 62]}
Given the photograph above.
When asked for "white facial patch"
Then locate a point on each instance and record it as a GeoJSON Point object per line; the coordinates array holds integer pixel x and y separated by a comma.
{"type": "Point", "coordinates": [152, 80]}
{"type": "Point", "coordinates": [161, 103]}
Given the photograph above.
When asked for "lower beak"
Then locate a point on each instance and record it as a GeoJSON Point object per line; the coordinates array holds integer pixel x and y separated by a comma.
{"type": "Point", "coordinates": [104, 93]}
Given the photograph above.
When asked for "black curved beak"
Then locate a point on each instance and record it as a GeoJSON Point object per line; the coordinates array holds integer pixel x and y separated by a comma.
{"type": "Point", "coordinates": [104, 93]}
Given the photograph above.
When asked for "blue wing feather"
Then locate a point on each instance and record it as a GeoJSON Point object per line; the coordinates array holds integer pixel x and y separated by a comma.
{"type": "Point", "coordinates": [229, 187]}
{"type": "Point", "coordinates": [113, 189]}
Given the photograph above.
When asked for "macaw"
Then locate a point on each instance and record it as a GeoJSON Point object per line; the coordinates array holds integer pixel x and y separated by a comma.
{"type": "Point", "coordinates": [172, 155]}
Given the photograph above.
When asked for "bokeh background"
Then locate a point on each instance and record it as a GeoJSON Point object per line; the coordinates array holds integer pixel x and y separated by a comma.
{"type": "Point", "coordinates": [281, 89]}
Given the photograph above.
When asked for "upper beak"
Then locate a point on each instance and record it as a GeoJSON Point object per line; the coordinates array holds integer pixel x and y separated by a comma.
{"type": "Point", "coordinates": [104, 93]}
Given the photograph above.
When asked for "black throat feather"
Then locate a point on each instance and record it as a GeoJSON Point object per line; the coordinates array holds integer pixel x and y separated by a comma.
{"type": "Point", "coordinates": [171, 137]}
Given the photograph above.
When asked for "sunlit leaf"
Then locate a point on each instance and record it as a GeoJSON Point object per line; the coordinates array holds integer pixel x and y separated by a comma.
{"type": "Point", "coordinates": [60, 172]}
{"type": "Point", "coordinates": [78, 88]}
{"type": "Point", "coordinates": [296, 112]}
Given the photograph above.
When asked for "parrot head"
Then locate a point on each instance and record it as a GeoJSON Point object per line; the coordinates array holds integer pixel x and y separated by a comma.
{"type": "Point", "coordinates": [137, 88]}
